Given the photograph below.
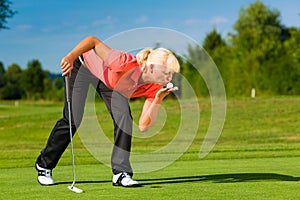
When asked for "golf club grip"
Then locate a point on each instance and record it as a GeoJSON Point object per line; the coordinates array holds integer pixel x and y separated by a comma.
{"type": "Point", "coordinates": [67, 88]}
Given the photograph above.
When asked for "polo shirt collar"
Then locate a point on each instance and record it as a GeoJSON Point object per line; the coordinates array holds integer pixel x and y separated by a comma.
{"type": "Point", "coordinates": [135, 76]}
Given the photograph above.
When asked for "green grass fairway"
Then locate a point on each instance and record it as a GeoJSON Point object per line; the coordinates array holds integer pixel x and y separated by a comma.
{"type": "Point", "coordinates": [256, 157]}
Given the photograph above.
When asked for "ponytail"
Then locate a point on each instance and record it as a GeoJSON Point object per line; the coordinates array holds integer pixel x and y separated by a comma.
{"type": "Point", "coordinates": [142, 56]}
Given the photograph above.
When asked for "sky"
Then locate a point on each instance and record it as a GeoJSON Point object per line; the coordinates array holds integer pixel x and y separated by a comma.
{"type": "Point", "coordinates": [48, 30]}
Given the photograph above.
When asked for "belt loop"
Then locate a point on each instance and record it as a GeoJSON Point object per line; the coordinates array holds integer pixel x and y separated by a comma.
{"type": "Point", "coordinates": [81, 60]}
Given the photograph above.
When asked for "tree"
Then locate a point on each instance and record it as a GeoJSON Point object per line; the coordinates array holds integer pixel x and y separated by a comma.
{"type": "Point", "coordinates": [292, 45]}
{"type": "Point", "coordinates": [257, 42]}
{"type": "Point", "coordinates": [220, 52]}
{"type": "Point", "coordinates": [259, 29]}
{"type": "Point", "coordinates": [13, 73]}
{"type": "Point", "coordinates": [201, 62]}
{"type": "Point", "coordinates": [12, 89]}
{"type": "Point", "coordinates": [292, 62]}
{"type": "Point", "coordinates": [2, 75]}
{"type": "Point", "coordinates": [194, 70]}
{"type": "Point", "coordinates": [5, 12]}
{"type": "Point", "coordinates": [32, 79]}
{"type": "Point", "coordinates": [213, 41]}
{"type": "Point", "coordinates": [2, 78]}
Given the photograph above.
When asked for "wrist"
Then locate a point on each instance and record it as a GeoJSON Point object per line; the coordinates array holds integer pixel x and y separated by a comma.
{"type": "Point", "coordinates": [72, 56]}
{"type": "Point", "coordinates": [158, 100]}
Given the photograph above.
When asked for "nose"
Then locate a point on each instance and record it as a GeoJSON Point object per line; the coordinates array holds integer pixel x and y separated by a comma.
{"type": "Point", "coordinates": [170, 76]}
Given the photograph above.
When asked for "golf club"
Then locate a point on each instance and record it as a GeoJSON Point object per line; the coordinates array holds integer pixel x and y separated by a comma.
{"type": "Point", "coordinates": [71, 187]}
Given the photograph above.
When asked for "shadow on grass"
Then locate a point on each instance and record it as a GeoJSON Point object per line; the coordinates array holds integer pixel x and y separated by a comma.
{"type": "Point", "coordinates": [223, 178]}
{"type": "Point", "coordinates": [81, 182]}
{"type": "Point", "coordinates": [216, 178]}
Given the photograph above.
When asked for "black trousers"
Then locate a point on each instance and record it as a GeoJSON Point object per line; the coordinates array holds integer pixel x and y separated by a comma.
{"type": "Point", "coordinates": [118, 107]}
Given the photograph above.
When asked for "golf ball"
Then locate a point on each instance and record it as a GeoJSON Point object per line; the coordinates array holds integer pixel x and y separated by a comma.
{"type": "Point", "coordinates": [169, 85]}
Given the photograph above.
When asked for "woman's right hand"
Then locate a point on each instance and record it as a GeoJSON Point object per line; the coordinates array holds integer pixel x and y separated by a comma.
{"type": "Point", "coordinates": [66, 65]}
{"type": "Point", "coordinates": [162, 93]}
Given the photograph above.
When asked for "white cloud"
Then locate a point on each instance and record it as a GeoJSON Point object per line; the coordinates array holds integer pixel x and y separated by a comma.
{"type": "Point", "coordinates": [142, 19]}
{"type": "Point", "coordinates": [50, 28]}
{"type": "Point", "coordinates": [23, 27]}
{"type": "Point", "coordinates": [197, 21]}
{"type": "Point", "coordinates": [218, 20]}
{"type": "Point", "coordinates": [106, 21]}
{"type": "Point", "coordinates": [194, 21]}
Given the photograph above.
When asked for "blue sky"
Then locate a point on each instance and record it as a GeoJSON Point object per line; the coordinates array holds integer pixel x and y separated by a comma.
{"type": "Point", "coordinates": [47, 30]}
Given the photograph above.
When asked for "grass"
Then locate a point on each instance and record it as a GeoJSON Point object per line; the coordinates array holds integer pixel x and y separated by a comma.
{"type": "Point", "coordinates": [256, 157]}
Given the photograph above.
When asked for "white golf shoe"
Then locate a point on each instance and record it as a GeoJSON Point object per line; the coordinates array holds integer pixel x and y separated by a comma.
{"type": "Point", "coordinates": [44, 175]}
{"type": "Point", "coordinates": [124, 179]}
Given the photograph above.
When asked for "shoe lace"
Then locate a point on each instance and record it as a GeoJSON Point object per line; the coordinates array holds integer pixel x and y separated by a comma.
{"type": "Point", "coordinates": [125, 174]}
{"type": "Point", "coordinates": [47, 173]}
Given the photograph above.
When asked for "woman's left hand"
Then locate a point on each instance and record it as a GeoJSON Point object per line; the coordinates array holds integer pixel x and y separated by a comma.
{"type": "Point", "coordinates": [67, 65]}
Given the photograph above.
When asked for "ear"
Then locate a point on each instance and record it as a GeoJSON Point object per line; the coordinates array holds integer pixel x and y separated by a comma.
{"type": "Point", "coordinates": [151, 67]}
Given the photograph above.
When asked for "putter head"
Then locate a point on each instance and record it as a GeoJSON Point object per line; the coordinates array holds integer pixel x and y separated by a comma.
{"type": "Point", "coordinates": [75, 189]}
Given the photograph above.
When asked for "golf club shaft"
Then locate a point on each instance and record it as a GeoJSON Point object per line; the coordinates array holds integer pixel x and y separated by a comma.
{"type": "Point", "coordinates": [70, 126]}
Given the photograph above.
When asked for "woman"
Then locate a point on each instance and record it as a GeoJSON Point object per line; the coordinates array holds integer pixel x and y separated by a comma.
{"type": "Point", "coordinates": [120, 76]}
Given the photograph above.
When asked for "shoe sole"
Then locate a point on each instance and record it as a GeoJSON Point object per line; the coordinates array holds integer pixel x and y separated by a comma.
{"type": "Point", "coordinates": [120, 185]}
{"type": "Point", "coordinates": [44, 184]}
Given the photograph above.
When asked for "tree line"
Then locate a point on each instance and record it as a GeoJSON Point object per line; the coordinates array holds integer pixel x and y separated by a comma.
{"type": "Point", "coordinates": [33, 83]}
{"type": "Point", "coordinates": [260, 53]}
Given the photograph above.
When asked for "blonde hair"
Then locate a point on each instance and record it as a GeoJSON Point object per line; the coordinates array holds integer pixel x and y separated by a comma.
{"type": "Point", "coordinates": [159, 56]}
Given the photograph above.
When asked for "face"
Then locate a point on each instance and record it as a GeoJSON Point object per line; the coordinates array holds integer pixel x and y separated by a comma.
{"type": "Point", "coordinates": [161, 74]}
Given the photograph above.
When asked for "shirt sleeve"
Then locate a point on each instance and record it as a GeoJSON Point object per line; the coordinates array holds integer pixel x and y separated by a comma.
{"type": "Point", "coordinates": [117, 61]}
{"type": "Point", "coordinates": [151, 91]}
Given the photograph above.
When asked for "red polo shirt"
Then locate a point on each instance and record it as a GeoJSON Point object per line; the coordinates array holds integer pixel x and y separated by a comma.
{"type": "Point", "coordinates": [120, 72]}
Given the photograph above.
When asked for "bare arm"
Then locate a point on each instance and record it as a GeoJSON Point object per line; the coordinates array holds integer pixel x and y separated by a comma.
{"type": "Point", "coordinates": [149, 114]}
{"type": "Point", "coordinates": [83, 46]}
{"type": "Point", "coordinates": [151, 109]}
